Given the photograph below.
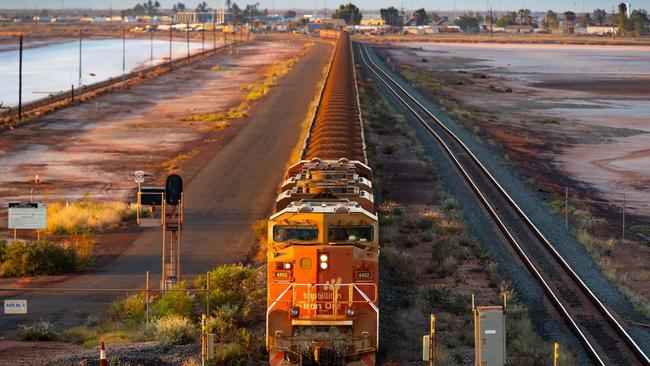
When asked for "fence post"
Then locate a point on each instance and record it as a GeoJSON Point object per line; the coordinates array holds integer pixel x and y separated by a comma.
{"type": "Point", "coordinates": [147, 298]}
{"type": "Point", "coordinates": [566, 207]}
{"type": "Point", "coordinates": [624, 204]}
{"type": "Point", "coordinates": [204, 341]}
{"type": "Point", "coordinates": [207, 293]}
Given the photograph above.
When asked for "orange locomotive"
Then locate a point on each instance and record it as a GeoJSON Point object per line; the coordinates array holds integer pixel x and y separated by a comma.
{"type": "Point", "coordinates": [323, 240]}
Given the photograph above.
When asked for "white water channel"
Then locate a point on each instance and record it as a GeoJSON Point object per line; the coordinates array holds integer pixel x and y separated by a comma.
{"type": "Point", "coordinates": [55, 68]}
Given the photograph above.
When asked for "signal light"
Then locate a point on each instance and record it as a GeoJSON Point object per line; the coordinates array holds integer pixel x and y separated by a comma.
{"type": "Point", "coordinates": [323, 265]}
{"type": "Point", "coordinates": [323, 258]}
{"type": "Point", "coordinates": [287, 265]}
{"type": "Point", "coordinates": [294, 311]}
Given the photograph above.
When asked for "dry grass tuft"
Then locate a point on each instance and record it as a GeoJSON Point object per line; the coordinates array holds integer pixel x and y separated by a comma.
{"type": "Point", "coordinates": [87, 216]}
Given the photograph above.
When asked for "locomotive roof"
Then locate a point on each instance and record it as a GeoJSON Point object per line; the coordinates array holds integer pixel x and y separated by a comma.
{"type": "Point", "coordinates": [324, 206]}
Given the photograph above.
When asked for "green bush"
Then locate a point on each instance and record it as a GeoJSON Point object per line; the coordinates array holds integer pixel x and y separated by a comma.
{"type": "Point", "coordinates": [230, 354]}
{"type": "Point", "coordinates": [39, 257]}
{"type": "Point", "coordinates": [442, 298]}
{"type": "Point", "coordinates": [641, 229]}
{"type": "Point", "coordinates": [238, 287]}
{"type": "Point", "coordinates": [176, 302]}
{"type": "Point", "coordinates": [174, 329]}
{"type": "Point", "coordinates": [131, 310]}
{"type": "Point", "coordinates": [36, 331]}
{"type": "Point", "coordinates": [3, 250]}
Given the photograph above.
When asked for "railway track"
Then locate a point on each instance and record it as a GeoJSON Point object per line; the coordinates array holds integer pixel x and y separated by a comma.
{"type": "Point", "coordinates": [603, 336]}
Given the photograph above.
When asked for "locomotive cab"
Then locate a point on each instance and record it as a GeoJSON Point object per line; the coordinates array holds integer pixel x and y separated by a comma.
{"type": "Point", "coordinates": [322, 276]}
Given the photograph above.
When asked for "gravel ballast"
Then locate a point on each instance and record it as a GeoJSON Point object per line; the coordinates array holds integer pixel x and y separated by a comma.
{"type": "Point", "coordinates": [533, 205]}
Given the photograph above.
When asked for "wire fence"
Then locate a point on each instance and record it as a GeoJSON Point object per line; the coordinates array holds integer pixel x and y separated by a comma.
{"type": "Point", "coordinates": [629, 210]}
{"type": "Point", "coordinates": [14, 292]}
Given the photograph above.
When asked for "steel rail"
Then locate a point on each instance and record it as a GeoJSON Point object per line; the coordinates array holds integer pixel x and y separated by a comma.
{"type": "Point", "coordinates": [590, 295]}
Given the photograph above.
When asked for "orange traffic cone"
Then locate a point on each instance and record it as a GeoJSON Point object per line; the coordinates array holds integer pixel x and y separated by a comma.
{"type": "Point", "coordinates": [102, 355]}
{"type": "Point", "coordinates": [37, 180]}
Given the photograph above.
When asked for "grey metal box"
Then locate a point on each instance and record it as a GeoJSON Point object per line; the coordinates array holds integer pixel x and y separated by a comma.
{"type": "Point", "coordinates": [489, 336]}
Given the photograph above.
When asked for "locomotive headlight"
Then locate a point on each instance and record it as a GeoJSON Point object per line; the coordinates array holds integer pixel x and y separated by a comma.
{"type": "Point", "coordinates": [351, 312]}
{"type": "Point", "coordinates": [323, 261]}
{"type": "Point", "coordinates": [287, 266]}
{"type": "Point", "coordinates": [294, 311]}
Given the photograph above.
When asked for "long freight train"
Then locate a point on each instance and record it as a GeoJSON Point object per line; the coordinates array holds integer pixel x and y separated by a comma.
{"type": "Point", "coordinates": [323, 238]}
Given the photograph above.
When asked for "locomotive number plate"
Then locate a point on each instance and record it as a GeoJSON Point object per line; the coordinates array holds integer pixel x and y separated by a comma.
{"type": "Point", "coordinates": [282, 274]}
{"type": "Point", "coordinates": [364, 275]}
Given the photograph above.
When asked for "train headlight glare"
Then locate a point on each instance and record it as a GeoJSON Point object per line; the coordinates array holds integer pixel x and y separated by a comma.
{"type": "Point", "coordinates": [351, 312]}
{"type": "Point", "coordinates": [323, 265]}
{"type": "Point", "coordinates": [287, 265]}
{"type": "Point", "coordinates": [323, 258]}
{"type": "Point", "coordinates": [294, 311]}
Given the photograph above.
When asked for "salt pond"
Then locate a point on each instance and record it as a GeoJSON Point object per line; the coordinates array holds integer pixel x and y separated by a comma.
{"type": "Point", "coordinates": [55, 67]}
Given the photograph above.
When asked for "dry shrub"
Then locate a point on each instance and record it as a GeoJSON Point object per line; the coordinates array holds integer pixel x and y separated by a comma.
{"type": "Point", "coordinates": [36, 331]}
{"type": "Point", "coordinates": [174, 329]}
{"type": "Point", "coordinates": [87, 216]}
{"type": "Point", "coordinates": [260, 229]}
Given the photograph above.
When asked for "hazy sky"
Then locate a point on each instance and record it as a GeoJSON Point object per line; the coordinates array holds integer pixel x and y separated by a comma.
{"type": "Point", "coordinates": [575, 5]}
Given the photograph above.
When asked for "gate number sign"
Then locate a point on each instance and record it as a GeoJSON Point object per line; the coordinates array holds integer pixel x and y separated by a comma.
{"type": "Point", "coordinates": [15, 306]}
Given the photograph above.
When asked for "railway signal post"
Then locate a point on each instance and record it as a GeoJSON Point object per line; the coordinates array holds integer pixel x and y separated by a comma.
{"type": "Point", "coordinates": [172, 228]}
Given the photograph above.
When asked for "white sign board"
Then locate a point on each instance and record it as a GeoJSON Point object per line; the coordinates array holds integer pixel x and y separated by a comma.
{"type": "Point", "coordinates": [27, 216]}
{"type": "Point", "coordinates": [139, 176]}
{"type": "Point", "coordinates": [15, 306]}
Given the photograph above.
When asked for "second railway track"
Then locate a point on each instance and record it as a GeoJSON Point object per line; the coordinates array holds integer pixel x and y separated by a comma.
{"type": "Point", "coordinates": [605, 339]}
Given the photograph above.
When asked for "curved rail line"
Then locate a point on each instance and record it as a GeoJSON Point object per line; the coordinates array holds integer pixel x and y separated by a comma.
{"type": "Point", "coordinates": [604, 338]}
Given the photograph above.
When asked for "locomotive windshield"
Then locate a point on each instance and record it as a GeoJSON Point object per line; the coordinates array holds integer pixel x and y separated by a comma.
{"type": "Point", "coordinates": [294, 233]}
{"type": "Point", "coordinates": [349, 233]}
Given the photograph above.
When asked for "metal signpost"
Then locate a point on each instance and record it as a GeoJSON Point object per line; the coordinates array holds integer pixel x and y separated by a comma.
{"type": "Point", "coordinates": [27, 216]}
{"type": "Point", "coordinates": [139, 179]}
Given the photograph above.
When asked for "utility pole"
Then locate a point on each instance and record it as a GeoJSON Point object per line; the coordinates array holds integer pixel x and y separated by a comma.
{"type": "Point", "coordinates": [491, 19]}
{"type": "Point", "coordinates": [20, 79]}
{"type": "Point", "coordinates": [123, 49]}
{"type": "Point", "coordinates": [171, 30]}
{"type": "Point", "coordinates": [79, 57]}
{"type": "Point", "coordinates": [188, 42]}
{"type": "Point", "coordinates": [202, 38]}
{"type": "Point", "coordinates": [250, 23]}
{"type": "Point", "coordinates": [214, 32]}
{"type": "Point", "coordinates": [151, 38]}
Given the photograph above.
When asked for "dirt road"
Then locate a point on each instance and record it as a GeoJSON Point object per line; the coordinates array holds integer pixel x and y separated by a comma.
{"type": "Point", "coordinates": [230, 189]}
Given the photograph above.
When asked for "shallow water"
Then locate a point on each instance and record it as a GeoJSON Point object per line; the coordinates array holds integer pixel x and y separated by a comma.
{"type": "Point", "coordinates": [54, 68]}
{"type": "Point", "coordinates": [567, 60]}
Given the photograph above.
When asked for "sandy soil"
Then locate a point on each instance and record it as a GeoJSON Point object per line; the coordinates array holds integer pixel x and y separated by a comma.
{"type": "Point", "coordinates": [595, 99]}
{"type": "Point", "coordinates": [92, 149]}
{"type": "Point", "coordinates": [34, 353]}
{"type": "Point", "coordinates": [572, 122]}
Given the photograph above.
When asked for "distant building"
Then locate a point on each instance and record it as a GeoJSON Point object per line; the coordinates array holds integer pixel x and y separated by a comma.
{"type": "Point", "coordinates": [598, 30]}
{"type": "Point", "coordinates": [216, 16]}
{"type": "Point", "coordinates": [372, 22]}
{"type": "Point", "coordinates": [519, 29]}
